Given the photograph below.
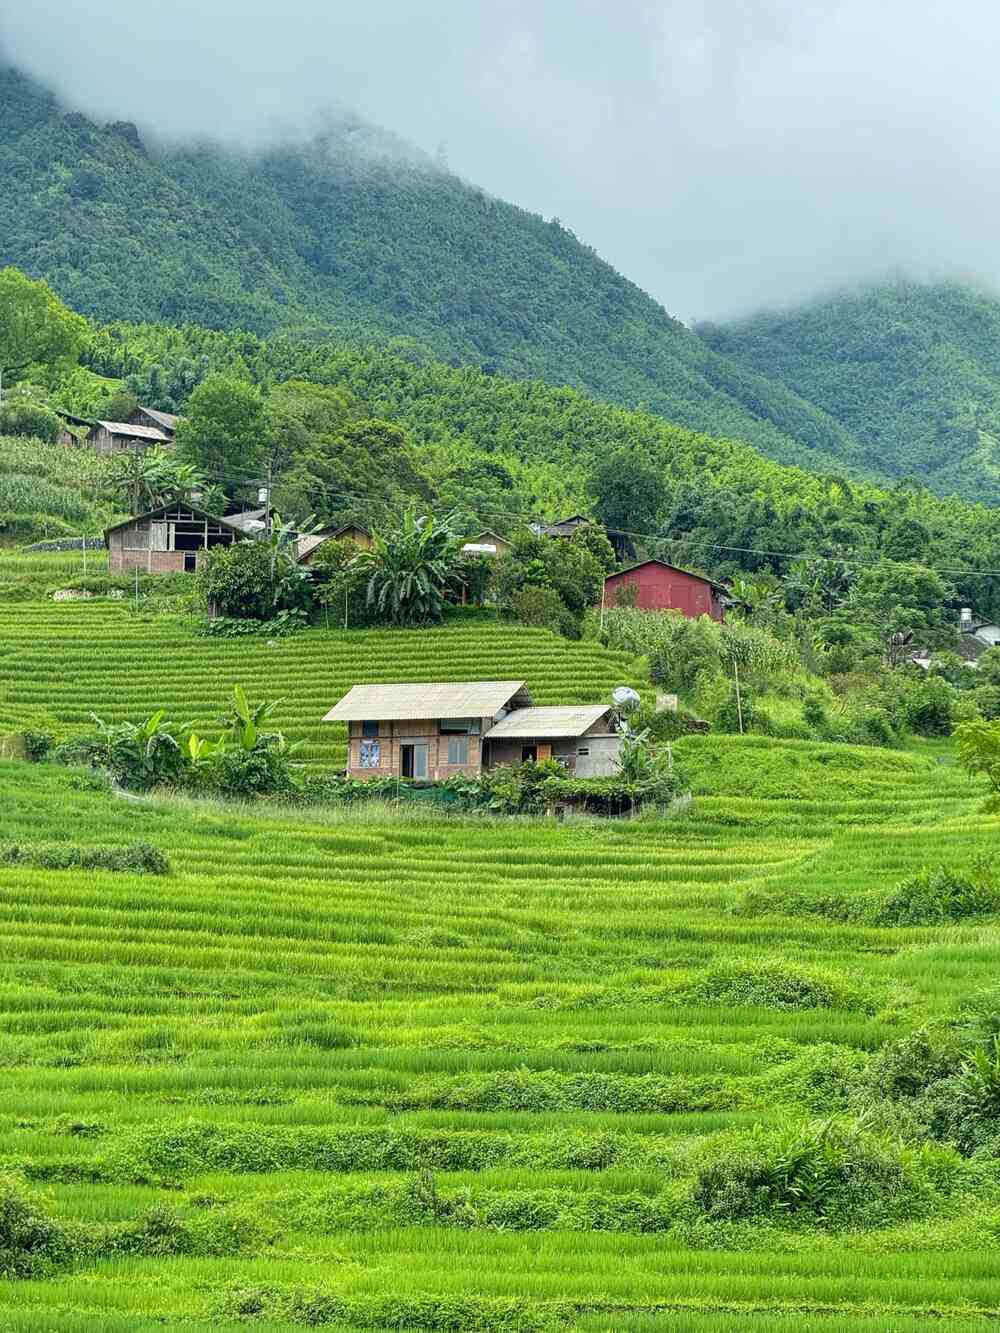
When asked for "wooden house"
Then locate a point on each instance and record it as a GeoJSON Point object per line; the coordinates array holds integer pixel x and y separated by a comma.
{"type": "Point", "coordinates": [151, 416]}
{"type": "Point", "coordinates": [168, 540]}
{"type": "Point", "coordinates": [119, 437]}
{"type": "Point", "coordinates": [309, 545]}
{"type": "Point", "coordinates": [488, 544]}
{"type": "Point", "coordinates": [653, 585]}
{"type": "Point", "coordinates": [434, 730]}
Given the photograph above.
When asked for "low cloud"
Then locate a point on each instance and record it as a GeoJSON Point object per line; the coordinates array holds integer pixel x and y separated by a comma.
{"type": "Point", "coordinates": [725, 154]}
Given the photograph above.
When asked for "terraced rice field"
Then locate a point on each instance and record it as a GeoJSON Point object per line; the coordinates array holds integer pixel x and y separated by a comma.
{"type": "Point", "coordinates": [60, 662]}
{"type": "Point", "coordinates": [399, 1070]}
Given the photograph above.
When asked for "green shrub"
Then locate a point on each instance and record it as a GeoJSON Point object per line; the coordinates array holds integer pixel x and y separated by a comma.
{"type": "Point", "coordinates": [830, 1175]}
{"type": "Point", "coordinates": [539, 607]}
{"type": "Point", "coordinates": [37, 744]}
{"type": "Point", "coordinates": [136, 858]}
{"type": "Point", "coordinates": [775, 985]}
{"type": "Point", "coordinates": [230, 627]}
{"type": "Point", "coordinates": [939, 895]}
{"type": "Point", "coordinates": [421, 1314]}
{"type": "Point", "coordinates": [924, 899]}
{"type": "Point", "coordinates": [930, 707]}
{"type": "Point", "coordinates": [32, 1243]}
{"type": "Point", "coordinates": [31, 420]}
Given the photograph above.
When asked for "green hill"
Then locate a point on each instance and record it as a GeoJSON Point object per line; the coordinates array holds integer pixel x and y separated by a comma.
{"type": "Point", "coordinates": [911, 371]}
{"type": "Point", "coordinates": [356, 232]}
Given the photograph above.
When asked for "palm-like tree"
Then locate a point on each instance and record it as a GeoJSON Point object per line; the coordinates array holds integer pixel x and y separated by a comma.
{"type": "Point", "coordinates": [148, 478]}
{"type": "Point", "coordinates": [408, 570]}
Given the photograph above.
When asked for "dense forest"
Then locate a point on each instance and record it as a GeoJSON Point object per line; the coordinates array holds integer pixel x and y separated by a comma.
{"type": "Point", "coordinates": [356, 233]}
{"type": "Point", "coordinates": [507, 449]}
{"type": "Point", "coordinates": [912, 371]}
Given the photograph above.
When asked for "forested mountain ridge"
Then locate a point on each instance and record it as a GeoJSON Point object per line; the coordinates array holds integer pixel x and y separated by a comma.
{"type": "Point", "coordinates": [352, 233]}
{"type": "Point", "coordinates": [911, 370]}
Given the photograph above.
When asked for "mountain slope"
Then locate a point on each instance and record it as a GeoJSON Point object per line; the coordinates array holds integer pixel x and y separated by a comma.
{"type": "Point", "coordinates": [357, 233]}
{"type": "Point", "coordinates": [912, 371]}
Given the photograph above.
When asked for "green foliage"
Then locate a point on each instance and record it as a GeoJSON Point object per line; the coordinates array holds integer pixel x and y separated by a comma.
{"type": "Point", "coordinates": [409, 570]}
{"type": "Point", "coordinates": [221, 434]}
{"type": "Point", "coordinates": [630, 493]}
{"type": "Point", "coordinates": [979, 752]}
{"type": "Point", "coordinates": [32, 1242]}
{"type": "Point", "coordinates": [898, 597]}
{"type": "Point", "coordinates": [932, 896]}
{"type": "Point", "coordinates": [31, 420]}
{"type": "Point", "coordinates": [822, 1175]}
{"type": "Point", "coordinates": [775, 984]}
{"type": "Point", "coordinates": [908, 369]}
{"type": "Point", "coordinates": [138, 755]}
{"type": "Point", "coordinates": [137, 858]}
{"type": "Point", "coordinates": [253, 580]}
{"type": "Point", "coordinates": [36, 329]}
{"type": "Point", "coordinates": [541, 607]}
{"type": "Point", "coordinates": [930, 706]}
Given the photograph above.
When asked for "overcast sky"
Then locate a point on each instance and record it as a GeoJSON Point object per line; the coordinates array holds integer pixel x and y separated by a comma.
{"type": "Point", "coordinates": [725, 154]}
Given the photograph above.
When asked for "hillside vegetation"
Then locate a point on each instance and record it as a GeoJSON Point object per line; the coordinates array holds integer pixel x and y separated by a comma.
{"type": "Point", "coordinates": [357, 233]}
{"type": "Point", "coordinates": [405, 1071]}
{"type": "Point", "coordinates": [911, 371]}
{"type": "Point", "coordinates": [54, 669]}
{"type": "Point", "coordinates": [722, 506]}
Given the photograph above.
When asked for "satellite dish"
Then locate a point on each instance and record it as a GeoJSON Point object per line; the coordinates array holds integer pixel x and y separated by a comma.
{"type": "Point", "coordinates": [625, 698]}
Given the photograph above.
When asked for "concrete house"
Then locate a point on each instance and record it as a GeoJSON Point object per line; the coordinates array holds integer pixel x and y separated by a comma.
{"type": "Point", "coordinates": [167, 540]}
{"type": "Point", "coordinates": [661, 587]}
{"type": "Point", "coordinates": [436, 730]}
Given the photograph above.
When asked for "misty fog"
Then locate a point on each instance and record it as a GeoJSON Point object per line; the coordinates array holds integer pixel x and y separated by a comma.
{"type": "Point", "coordinates": [722, 154]}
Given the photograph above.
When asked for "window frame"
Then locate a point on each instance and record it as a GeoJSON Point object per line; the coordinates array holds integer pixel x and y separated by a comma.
{"type": "Point", "coordinates": [462, 742]}
{"type": "Point", "coordinates": [366, 730]}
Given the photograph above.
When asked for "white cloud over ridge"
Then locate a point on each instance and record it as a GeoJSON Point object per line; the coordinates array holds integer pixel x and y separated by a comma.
{"type": "Point", "coordinates": [725, 154]}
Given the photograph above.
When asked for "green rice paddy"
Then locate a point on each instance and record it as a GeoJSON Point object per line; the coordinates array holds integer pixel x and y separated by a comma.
{"type": "Point", "coordinates": [388, 1069]}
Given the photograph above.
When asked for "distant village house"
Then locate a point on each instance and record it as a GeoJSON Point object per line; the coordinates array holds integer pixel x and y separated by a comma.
{"type": "Point", "coordinates": [433, 730]}
{"type": "Point", "coordinates": [168, 540]}
{"type": "Point", "coordinates": [653, 585]}
{"type": "Point", "coordinates": [146, 428]}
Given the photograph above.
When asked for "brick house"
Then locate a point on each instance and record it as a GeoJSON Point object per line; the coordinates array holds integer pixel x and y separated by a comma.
{"type": "Point", "coordinates": [654, 585]}
{"type": "Point", "coordinates": [436, 730]}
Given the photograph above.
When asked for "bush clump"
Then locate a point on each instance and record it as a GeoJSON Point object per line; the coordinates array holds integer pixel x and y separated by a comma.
{"type": "Point", "coordinates": [32, 1243]}
{"type": "Point", "coordinates": [828, 1175]}
{"type": "Point", "coordinates": [775, 985]}
{"type": "Point", "coordinates": [939, 895]}
{"type": "Point", "coordinates": [136, 858]}
{"type": "Point", "coordinates": [930, 897]}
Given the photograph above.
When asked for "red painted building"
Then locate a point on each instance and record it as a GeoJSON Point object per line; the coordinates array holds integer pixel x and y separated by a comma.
{"type": "Point", "coordinates": [663, 587]}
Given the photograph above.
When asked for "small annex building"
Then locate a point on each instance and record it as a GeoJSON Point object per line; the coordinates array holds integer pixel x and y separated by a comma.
{"type": "Point", "coordinates": [662, 587]}
{"type": "Point", "coordinates": [434, 730]}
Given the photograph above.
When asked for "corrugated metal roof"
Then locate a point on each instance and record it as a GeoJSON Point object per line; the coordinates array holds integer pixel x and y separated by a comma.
{"type": "Point", "coordinates": [425, 700]}
{"type": "Point", "coordinates": [544, 722]}
{"type": "Point", "coordinates": [134, 432]}
{"type": "Point", "coordinates": [166, 419]}
{"type": "Point", "coordinates": [306, 545]}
